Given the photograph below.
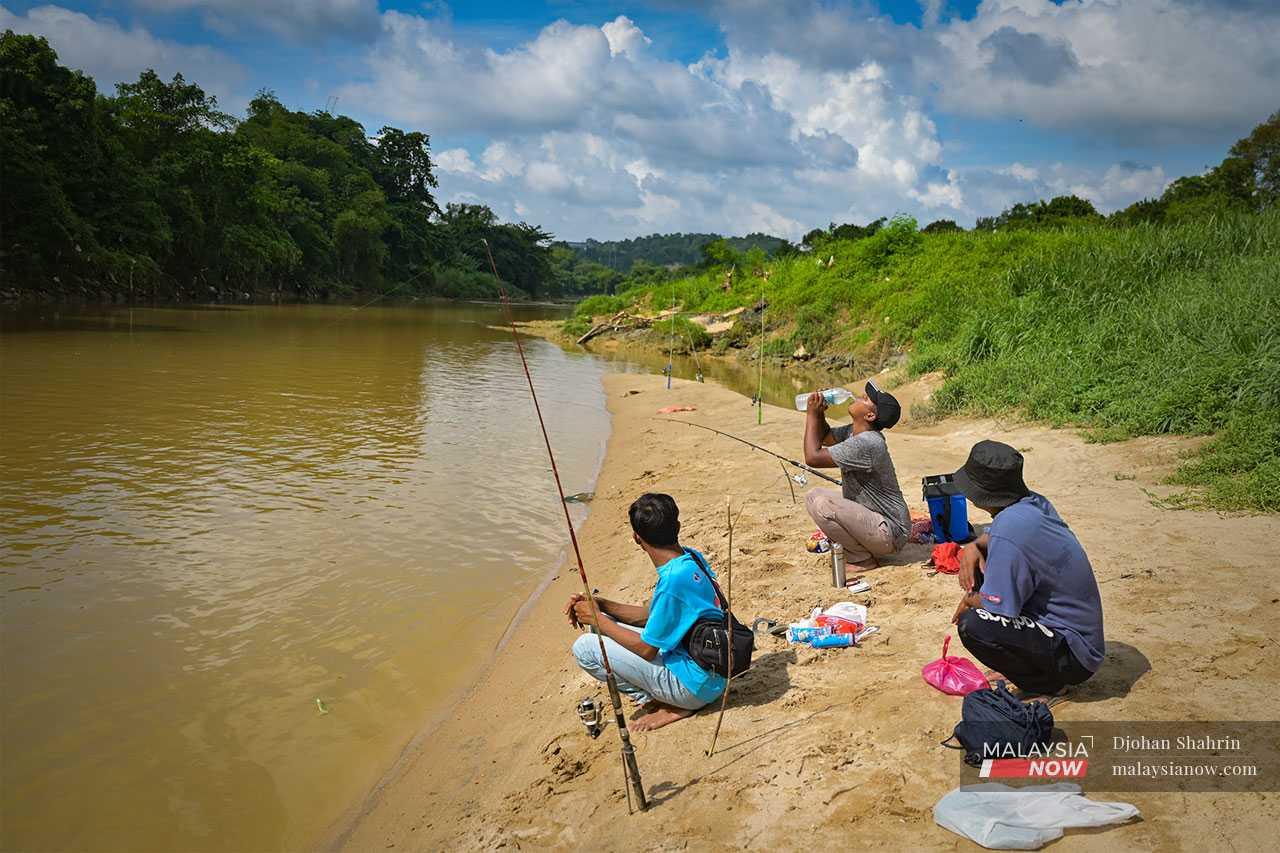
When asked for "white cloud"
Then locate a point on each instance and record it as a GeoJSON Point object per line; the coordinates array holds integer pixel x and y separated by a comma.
{"type": "Point", "coordinates": [986, 191]}
{"type": "Point", "coordinates": [820, 111]}
{"type": "Point", "coordinates": [295, 19]}
{"type": "Point", "coordinates": [1133, 70]}
{"type": "Point", "coordinates": [625, 37]}
{"type": "Point", "coordinates": [1165, 68]}
{"type": "Point", "coordinates": [112, 54]}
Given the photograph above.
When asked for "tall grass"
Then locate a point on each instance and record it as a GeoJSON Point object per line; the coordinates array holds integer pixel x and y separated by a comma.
{"type": "Point", "coordinates": [1122, 331]}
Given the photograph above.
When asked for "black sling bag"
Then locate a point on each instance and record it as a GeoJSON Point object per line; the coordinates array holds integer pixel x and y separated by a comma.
{"type": "Point", "coordinates": [708, 642]}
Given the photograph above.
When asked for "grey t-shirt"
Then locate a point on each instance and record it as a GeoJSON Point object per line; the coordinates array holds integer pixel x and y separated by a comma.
{"type": "Point", "coordinates": [869, 478]}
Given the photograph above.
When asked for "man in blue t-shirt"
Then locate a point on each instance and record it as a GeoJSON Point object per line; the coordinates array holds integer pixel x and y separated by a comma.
{"type": "Point", "coordinates": [645, 643]}
{"type": "Point", "coordinates": [1031, 608]}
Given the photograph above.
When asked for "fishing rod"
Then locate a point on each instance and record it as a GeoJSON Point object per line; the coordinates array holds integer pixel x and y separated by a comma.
{"type": "Point", "coordinates": [629, 765]}
{"type": "Point", "coordinates": [800, 465]}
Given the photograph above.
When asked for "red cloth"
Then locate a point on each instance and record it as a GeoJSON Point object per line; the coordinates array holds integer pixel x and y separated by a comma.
{"type": "Point", "coordinates": [946, 558]}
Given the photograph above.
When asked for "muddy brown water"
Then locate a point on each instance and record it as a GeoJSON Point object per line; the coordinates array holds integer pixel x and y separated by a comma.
{"type": "Point", "coordinates": [245, 553]}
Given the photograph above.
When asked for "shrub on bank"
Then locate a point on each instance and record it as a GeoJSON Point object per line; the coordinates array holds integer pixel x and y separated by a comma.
{"type": "Point", "coordinates": [1123, 331]}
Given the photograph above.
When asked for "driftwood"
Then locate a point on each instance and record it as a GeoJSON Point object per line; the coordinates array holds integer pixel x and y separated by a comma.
{"type": "Point", "coordinates": [616, 323]}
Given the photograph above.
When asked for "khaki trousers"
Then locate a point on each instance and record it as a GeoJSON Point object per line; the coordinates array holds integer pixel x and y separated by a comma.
{"type": "Point", "coordinates": [863, 532]}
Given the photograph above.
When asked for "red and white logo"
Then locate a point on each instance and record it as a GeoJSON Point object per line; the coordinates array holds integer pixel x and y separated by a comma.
{"type": "Point", "coordinates": [1034, 768]}
{"type": "Point", "coordinates": [994, 599]}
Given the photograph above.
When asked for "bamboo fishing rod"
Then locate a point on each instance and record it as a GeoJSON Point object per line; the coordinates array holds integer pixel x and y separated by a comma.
{"type": "Point", "coordinates": [800, 465]}
{"type": "Point", "coordinates": [629, 765]}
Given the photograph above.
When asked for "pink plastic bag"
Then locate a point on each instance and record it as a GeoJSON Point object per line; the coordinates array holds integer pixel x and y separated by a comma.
{"type": "Point", "coordinates": [956, 676]}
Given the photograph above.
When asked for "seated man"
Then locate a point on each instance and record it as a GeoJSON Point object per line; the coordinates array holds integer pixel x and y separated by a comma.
{"type": "Point", "coordinates": [870, 517]}
{"type": "Point", "coordinates": [1031, 608]}
{"type": "Point", "coordinates": [646, 643]}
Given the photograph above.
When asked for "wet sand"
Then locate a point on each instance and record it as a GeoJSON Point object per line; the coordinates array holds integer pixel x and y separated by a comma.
{"type": "Point", "coordinates": [838, 746]}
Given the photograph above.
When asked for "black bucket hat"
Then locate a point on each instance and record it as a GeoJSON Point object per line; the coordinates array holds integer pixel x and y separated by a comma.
{"type": "Point", "coordinates": [992, 475]}
{"type": "Point", "coordinates": [887, 409]}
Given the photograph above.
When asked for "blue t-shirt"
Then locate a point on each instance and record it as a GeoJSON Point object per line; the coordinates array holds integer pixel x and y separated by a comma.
{"type": "Point", "coordinates": [1036, 568]}
{"type": "Point", "coordinates": [684, 595]}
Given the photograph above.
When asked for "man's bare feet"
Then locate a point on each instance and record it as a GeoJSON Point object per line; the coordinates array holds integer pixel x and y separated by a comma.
{"type": "Point", "coordinates": [655, 715]}
{"type": "Point", "coordinates": [869, 563]}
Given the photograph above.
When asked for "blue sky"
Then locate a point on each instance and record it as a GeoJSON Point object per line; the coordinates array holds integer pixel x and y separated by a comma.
{"type": "Point", "coordinates": [609, 120]}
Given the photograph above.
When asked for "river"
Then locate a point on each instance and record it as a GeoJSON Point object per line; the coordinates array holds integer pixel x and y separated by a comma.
{"type": "Point", "coordinates": [246, 552]}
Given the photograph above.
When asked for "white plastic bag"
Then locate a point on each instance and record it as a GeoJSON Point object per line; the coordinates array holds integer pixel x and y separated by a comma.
{"type": "Point", "coordinates": [1003, 818]}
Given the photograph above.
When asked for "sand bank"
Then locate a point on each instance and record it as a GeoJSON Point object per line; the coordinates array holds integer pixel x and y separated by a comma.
{"type": "Point", "coordinates": [841, 746]}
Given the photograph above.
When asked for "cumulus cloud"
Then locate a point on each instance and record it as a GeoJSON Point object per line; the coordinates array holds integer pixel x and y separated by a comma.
{"type": "Point", "coordinates": [984, 191]}
{"type": "Point", "coordinates": [731, 142]}
{"type": "Point", "coordinates": [1174, 70]}
{"type": "Point", "coordinates": [294, 19]}
{"type": "Point", "coordinates": [112, 54]}
{"type": "Point", "coordinates": [1028, 56]}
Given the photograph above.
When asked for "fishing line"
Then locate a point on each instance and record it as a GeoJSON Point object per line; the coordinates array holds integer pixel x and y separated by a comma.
{"type": "Point", "coordinates": [760, 382]}
{"type": "Point", "coordinates": [800, 465]}
{"type": "Point", "coordinates": [629, 765]}
{"type": "Point", "coordinates": [671, 341]}
{"type": "Point", "coordinates": [696, 360]}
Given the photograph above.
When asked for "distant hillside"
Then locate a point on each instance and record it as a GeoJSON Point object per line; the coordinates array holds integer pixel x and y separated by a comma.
{"type": "Point", "coordinates": [665, 249]}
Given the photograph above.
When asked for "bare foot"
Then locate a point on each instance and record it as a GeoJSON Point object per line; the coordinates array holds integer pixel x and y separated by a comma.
{"type": "Point", "coordinates": [867, 564]}
{"type": "Point", "coordinates": [993, 676]}
{"type": "Point", "coordinates": [658, 715]}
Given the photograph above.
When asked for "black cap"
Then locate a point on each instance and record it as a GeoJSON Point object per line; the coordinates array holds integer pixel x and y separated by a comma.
{"type": "Point", "coordinates": [992, 475]}
{"type": "Point", "coordinates": [887, 409]}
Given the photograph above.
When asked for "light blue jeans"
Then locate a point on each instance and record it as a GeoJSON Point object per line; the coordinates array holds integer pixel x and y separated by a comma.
{"type": "Point", "coordinates": [637, 678]}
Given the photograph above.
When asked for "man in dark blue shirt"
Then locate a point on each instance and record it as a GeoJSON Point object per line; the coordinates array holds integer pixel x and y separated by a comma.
{"type": "Point", "coordinates": [1031, 608]}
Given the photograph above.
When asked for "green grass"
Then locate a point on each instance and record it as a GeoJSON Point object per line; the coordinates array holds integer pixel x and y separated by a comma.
{"type": "Point", "coordinates": [1120, 331]}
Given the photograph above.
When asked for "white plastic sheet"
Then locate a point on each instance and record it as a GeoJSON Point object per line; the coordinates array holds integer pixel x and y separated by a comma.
{"type": "Point", "coordinates": [1003, 818]}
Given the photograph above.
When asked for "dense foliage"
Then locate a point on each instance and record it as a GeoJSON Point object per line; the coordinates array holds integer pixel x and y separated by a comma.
{"type": "Point", "coordinates": [156, 193]}
{"type": "Point", "coordinates": [668, 250]}
{"type": "Point", "coordinates": [1125, 326]}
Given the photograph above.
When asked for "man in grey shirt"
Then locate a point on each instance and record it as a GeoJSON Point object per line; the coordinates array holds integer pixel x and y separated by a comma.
{"type": "Point", "coordinates": [869, 517]}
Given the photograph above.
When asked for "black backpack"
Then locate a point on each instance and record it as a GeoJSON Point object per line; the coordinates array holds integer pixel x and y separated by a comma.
{"type": "Point", "coordinates": [995, 724]}
{"type": "Point", "coordinates": [708, 642]}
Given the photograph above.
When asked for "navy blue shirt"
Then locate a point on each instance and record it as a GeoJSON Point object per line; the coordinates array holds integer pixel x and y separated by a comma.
{"type": "Point", "coordinates": [1036, 568]}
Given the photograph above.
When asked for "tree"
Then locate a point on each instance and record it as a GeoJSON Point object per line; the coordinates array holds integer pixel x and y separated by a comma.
{"type": "Point", "coordinates": [403, 168]}
{"type": "Point", "coordinates": [941, 226]}
{"type": "Point", "coordinates": [718, 253]}
{"type": "Point", "coordinates": [1056, 213]}
{"type": "Point", "coordinates": [812, 238]}
{"type": "Point", "coordinates": [1260, 151]}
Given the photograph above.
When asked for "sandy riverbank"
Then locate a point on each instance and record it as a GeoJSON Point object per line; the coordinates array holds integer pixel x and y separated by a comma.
{"type": "Point", "coordinates": [822, 747]}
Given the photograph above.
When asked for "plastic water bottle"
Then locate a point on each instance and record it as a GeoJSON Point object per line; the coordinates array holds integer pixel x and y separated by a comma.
{"type": "Point", "coordinates": [832, 641]}
{"type": "Point", "coordinates": [806, 633]}
{"type": "Point", "coordinates": [833, 396]}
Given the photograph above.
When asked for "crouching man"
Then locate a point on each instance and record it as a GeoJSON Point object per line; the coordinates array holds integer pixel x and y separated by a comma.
{"type": "Point", "coordinates": [1031, 608]}
{"type": "Point", "coordinates": [646, 643]}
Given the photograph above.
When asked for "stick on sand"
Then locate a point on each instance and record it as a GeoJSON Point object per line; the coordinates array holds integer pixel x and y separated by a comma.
{"type": "Point", "coordinates": [728, 620]}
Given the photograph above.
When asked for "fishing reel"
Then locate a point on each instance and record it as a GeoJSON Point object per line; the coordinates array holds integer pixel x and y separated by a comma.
{"type": "Point", "coordinates": [589, 714]}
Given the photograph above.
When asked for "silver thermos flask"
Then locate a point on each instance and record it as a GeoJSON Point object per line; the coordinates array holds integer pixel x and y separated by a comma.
{"type": "Point", "coordinates": [837, 565]}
